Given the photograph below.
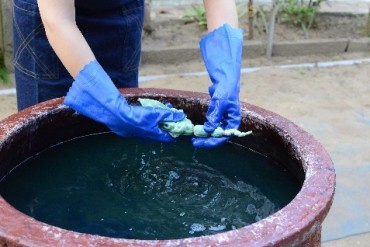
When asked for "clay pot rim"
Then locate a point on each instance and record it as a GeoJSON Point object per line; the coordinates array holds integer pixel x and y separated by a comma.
{"type": "Point", "coordinates": [304, 213]}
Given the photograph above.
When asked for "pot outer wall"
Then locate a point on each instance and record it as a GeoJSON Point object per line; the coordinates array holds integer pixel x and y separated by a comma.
{"type": "Point", "coordinates": [298, 224]}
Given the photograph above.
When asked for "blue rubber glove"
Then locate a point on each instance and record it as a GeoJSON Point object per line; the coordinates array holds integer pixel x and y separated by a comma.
{"type": "Point", "coordinates": [222, 53]}
{"type": "Point", "coordinates": [94, 95]}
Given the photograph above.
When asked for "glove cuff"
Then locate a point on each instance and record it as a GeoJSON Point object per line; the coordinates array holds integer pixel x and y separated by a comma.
{"type": "Point", "coordinates": [89, 72]}
{"type": "Point", "coordinates": [92, 82]}
{"type": "Point", "coordinates": [226, 40]}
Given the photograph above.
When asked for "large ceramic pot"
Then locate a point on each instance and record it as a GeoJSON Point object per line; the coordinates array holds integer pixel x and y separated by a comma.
{"type": "Point", "coordinates": [298, 224]}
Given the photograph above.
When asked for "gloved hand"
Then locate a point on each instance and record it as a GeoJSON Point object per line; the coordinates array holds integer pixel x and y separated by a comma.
{"type": "Point", "coordinates": [222, 52]}
{"type": "Point", "coordinates": [94, 95]}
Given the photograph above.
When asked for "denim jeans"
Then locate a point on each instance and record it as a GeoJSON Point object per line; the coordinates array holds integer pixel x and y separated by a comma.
{"type": "Point", "coordinates": [112, 29]}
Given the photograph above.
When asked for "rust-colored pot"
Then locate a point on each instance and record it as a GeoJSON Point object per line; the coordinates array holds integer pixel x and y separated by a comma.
{"type": "Point", "coordinates": [298, 224]}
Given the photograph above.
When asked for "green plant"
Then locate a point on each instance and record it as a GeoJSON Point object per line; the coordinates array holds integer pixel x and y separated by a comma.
{"type": "Point", "coordinates": [197, 14]}
{"type": "Point", "coordinates": [260, 20]}
{"type": "Point", "coordinates": [242, 9]}
{"type": "Point", "coordinates": [4, 77]}
{"type": "Point", "coordinates": [301, 14]}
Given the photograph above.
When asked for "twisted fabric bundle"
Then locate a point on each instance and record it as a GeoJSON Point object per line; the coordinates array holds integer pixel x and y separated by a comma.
{"type": "Point", "coordinates": [186, 127]}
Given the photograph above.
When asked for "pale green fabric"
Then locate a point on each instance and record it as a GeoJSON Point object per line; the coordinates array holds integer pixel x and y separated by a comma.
{"type": "Point", "coordinates": [186, 127]}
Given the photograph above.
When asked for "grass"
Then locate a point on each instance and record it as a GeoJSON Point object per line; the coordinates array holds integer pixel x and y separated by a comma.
{"type": "Point", "coordinates": [260, 20]}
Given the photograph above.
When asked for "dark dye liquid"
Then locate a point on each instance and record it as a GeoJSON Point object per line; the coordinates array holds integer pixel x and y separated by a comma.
{"type": "Point", "coordinates": [115, 187]}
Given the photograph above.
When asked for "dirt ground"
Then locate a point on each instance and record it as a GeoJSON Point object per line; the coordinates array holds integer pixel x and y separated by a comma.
{"type": "Point", "coordinates": [306, 96]}
{"type": "Point", "coordinates": [172, 30]}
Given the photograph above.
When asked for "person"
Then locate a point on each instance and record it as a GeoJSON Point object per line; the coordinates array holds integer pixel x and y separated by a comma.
{"type": "Point", "coordinates": [86, 49]}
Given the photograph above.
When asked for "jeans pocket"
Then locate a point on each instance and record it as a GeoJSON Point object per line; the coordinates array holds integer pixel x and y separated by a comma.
{"type": "Point", "coordinates": [33, 54]}
{"type": "Point", "coordinates": [134, 18]}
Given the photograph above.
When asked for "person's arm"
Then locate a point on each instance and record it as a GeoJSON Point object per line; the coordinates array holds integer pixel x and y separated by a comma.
{"type": "Point", "coordinates": [93, 93]}
{"type": "Point", "coordinates": [221, 50]}
{"type": "Point", "coordinates": [58, 17]}
{"type": "Point", "coordinates": [219, 12]}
